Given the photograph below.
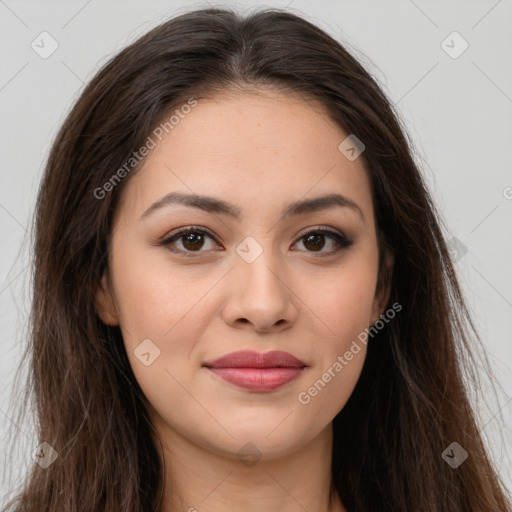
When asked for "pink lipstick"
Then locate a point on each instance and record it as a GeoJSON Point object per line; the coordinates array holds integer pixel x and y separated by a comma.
{"type": "Point", "coordinates": [256, 371]}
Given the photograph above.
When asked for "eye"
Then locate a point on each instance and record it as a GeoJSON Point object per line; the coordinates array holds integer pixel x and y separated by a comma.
{"type": "Point", "coordinates": [192, 240]}
{"type": "Point", "coordinates": [315, 240]}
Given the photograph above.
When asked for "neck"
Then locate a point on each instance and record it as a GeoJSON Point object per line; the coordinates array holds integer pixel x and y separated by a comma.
{"type": "Point", "coordinates": [199, 480]}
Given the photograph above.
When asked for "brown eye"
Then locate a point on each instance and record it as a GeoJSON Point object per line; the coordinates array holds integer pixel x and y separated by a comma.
{"type": "Point", "coordinates": [315, 240]}
{"type": "Point", "coordinates": [192, 240]}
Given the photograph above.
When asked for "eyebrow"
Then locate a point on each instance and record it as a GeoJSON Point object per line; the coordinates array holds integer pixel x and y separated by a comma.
{"type": "Point", "coordinates": [214, 205]}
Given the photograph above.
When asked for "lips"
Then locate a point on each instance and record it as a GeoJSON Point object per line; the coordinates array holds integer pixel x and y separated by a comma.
{"type": "Point", "coordinates": [251, 359]}
{"type": "Point", "coordinates": [255, 371]}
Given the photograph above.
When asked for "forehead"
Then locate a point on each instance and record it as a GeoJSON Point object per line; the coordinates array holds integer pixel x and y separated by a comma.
{"type": "Point", "coordinates": [260, 151]}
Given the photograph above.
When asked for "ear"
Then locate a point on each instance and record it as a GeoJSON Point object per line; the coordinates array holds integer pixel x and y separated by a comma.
{"type": "Point", "coordinates": [104, 302]}
{"type": "Point", "coordinates": [383, 289]}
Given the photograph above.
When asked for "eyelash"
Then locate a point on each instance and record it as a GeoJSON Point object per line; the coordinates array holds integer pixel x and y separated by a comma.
{"type": "Point", "coordinates": [341, 240]}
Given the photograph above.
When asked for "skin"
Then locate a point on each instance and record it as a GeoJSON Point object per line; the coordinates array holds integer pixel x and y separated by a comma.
{"type": "Point", "coordinates": [260, 151]}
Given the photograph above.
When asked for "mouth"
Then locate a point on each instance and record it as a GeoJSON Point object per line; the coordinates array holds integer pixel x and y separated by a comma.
{"type": "Point", "coordinates": [255, 371]}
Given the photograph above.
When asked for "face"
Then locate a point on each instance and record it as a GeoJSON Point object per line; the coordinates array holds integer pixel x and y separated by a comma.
{"type": "Point", "coordinates": [262, 268]}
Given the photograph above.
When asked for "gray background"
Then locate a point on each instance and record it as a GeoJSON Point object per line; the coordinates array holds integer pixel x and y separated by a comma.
{"type": "Point", "coordinates": [458, 112]}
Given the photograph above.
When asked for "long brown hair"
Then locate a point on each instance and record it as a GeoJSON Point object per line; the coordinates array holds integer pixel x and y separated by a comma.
{"type": "Point", "coordinates": [411, 401]}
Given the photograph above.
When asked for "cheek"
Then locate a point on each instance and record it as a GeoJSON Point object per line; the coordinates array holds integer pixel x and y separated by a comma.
{"type": "Point", "coordinates": [344, 302]}
{"type": "Point", "coordinates": [159, 317]}
{"type": "Point", "coordinates": [328, 389]}
{"type": "Point", "coordinates": [341, 355]}
{"type": "Point", "coordinates": [345, 309]}
{"type": "Point", "coordinates": [153, 298]}
{"type": "Point", "coordinates": [165, 306]}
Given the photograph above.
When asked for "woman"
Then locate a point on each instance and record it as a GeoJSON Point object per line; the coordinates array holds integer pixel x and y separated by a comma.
{"type": "Point", "coordinates": [243, 299]}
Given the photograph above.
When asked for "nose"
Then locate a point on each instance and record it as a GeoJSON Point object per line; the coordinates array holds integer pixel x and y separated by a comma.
{"type": "Point", "coordinates": [260, 296]}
